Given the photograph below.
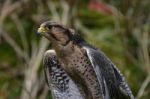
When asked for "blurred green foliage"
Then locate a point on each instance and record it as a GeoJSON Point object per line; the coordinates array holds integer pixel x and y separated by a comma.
{"type": "Point", "coordinates": [123, 35]}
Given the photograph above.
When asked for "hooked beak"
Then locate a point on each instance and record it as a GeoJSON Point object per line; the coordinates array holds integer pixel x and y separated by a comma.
{"type": "Point", "coordinates": [41, 30]}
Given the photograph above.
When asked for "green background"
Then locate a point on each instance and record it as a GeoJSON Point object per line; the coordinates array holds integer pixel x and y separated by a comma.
{"type": "Point", "coordinates": [122, 32]}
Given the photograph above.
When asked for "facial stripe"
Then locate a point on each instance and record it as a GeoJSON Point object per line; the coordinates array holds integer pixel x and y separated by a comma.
{"type": "Point", "coordinates": [54, 37]}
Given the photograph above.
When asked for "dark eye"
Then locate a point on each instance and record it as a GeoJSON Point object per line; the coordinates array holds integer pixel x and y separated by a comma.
{"type": "Point", "coordinates": [49, 26]}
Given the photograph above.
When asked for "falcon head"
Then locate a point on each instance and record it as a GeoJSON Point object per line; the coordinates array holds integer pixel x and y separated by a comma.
{"type": "Point", "coordinates": [58, 33]}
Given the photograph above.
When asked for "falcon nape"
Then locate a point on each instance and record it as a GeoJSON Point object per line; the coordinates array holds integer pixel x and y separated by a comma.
{"type": "Point", "coordinates": [95, 76]}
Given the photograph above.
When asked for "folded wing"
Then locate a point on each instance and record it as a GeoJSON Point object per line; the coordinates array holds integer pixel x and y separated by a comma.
{"type": "Point", "coordinates": [104, 68]}
{"type": "Point", "coordinates": [60, 84]}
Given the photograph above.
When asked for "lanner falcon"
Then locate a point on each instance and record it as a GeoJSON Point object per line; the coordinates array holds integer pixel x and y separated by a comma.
{"type": "Point", "coordinates": [90, 70]}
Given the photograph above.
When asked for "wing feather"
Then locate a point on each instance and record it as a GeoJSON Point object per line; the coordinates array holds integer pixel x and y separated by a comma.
{"type": "Point", "coordinates": [104, 68]}
{"type": "Point", "coordinates": [60, 84]}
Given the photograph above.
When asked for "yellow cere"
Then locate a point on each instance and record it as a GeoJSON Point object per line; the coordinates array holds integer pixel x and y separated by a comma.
{"type": "Point", "coordinates": [41, 29]}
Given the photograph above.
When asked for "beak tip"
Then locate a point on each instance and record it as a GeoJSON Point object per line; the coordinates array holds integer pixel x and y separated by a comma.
{"type": "Point", "coordinates": [37, 32]}
{"type": "Point", "coordinates": [40, 30]}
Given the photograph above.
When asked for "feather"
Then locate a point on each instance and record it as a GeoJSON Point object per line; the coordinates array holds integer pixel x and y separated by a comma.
{"type": "Point", "coordinates": [60, 84]}
{"type": "Point", "coordinates": [108, 73]}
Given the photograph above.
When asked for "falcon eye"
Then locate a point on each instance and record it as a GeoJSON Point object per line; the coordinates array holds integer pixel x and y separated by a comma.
{"type": "Point", "coordinates": [49, 26]}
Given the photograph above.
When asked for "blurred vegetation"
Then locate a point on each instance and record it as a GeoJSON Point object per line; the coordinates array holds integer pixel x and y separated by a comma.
{"type": "Point", "coordinates": [120, 28]}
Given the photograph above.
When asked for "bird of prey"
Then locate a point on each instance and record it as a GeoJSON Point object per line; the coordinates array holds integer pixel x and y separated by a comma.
{"type": "Point", "coordinates": [90, 69]}
{"type": "Point", "coordinates": [60, 84]}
